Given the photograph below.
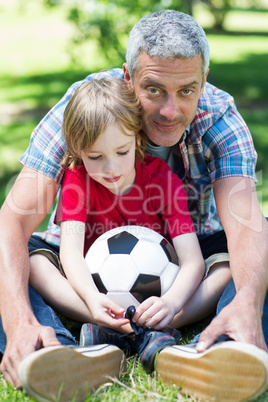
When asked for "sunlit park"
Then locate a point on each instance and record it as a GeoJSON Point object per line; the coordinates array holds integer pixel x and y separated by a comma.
{"type": "Point", "coordinates": [46, 45]}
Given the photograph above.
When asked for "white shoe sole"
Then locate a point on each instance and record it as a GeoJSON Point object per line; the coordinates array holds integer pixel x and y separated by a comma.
{"type": "Point", "coordinates": [228, 371]}
{"type": "Point", "coordinates": [62, 373]}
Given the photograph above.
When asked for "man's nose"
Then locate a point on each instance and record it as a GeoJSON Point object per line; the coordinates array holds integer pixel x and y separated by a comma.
{"type": "Point", "coordinates": [170, 108]}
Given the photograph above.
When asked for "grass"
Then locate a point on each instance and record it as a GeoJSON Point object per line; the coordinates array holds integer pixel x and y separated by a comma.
{"type": "Point", "coordinates": [133, 386]}
{"type": "Point", "coordinates": [35, 72]}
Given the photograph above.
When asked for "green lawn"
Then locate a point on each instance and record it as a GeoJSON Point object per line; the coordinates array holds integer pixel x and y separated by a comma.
{"type": "Point", "coordinates": [35, 71]}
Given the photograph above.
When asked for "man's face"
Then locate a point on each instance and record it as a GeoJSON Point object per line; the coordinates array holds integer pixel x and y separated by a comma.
{"type": "Point", "coordinates": [169, 91]}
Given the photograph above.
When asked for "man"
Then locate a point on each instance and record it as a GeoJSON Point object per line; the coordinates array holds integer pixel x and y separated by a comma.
{"type": "Point", "coordinates": [198, 131]}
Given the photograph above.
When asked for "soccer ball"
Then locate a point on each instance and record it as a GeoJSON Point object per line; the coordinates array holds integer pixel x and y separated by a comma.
{"type": "Point", "coordinates": [132, 263]}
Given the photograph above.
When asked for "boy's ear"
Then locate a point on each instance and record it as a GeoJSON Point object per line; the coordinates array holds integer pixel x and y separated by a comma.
{"type": "Point", "coordinates": [138, 140]}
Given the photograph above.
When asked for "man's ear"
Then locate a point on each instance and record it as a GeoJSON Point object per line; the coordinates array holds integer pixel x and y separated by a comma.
{"type": "Point", "coordinates": [204, 81]}
{"type": "Point", "coordinates": [126, 73]}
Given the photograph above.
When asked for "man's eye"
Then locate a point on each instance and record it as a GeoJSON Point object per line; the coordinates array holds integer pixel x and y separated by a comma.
{"type": "Point", "coordinates": [187, 92]}
{"type": "Point", "coordinates": [153, 91]}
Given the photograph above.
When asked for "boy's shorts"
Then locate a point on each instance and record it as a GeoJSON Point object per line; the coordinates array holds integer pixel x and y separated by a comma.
{"type": "Point", "coordinates": [213, 247]}
{"type": "Point", "coordinates": [37, 245]}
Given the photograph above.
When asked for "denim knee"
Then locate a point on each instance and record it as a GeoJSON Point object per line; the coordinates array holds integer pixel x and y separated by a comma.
{"type": "Point", "coordinates": [46, 316]}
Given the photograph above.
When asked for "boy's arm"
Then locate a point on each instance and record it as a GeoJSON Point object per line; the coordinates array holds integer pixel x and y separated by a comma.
{"type": "Point", "coordinates": [159, 312]}
{"type": "Point", "coordinates": [102, 309]}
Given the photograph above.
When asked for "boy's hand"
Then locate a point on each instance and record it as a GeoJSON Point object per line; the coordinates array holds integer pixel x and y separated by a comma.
{"type": "Point", "coordinates": [105, 312]}
{"type": "Point", "coordinates": [154, 312]}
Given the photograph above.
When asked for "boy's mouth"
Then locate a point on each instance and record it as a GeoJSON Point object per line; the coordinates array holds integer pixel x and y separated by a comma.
{"type": "Point", "coordinates": [112, 179]}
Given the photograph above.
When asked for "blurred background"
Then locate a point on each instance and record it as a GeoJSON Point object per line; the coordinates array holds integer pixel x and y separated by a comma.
{"type": "Point", "coordinates": [46, 45]}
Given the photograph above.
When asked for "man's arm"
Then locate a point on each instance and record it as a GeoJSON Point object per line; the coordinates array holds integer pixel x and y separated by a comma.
{"type": "Point", "coordinates": [26, 206]}
{"type": "Point", "coordinates": [247, 235]}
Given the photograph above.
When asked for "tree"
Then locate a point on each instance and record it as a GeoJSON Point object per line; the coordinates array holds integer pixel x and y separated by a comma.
{"type": "Point", "coordinates": [218, 9]}
{"type": "Point", "coordinates": [109, 22]}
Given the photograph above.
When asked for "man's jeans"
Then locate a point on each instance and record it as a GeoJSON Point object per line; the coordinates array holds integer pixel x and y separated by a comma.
{"type": "Point", "coordinates": [46, 316]}
{"type": "Point", "coordinates": [228, 296]}
{"type": "Point", "coordinates": [217, 243]}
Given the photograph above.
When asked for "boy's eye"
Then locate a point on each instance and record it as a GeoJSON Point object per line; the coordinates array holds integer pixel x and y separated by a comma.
{"type": "Point", "coordinates": [123, 153]}
{"type": "Point", "coordinates": [94, 158]}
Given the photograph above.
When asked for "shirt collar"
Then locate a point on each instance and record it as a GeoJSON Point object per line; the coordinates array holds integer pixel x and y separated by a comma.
{"type": "Point", "coordinates": [183, 137]}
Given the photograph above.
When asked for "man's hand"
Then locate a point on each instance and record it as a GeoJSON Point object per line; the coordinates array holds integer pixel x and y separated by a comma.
{"type": "Point", "coordinates": [247, 236]}
{"type": "Point", "coordinates": [239, 320]}
{"type": "Point", "coordinates": [26, 206]}
{"type": "Point", "coordinates": [25, 340]}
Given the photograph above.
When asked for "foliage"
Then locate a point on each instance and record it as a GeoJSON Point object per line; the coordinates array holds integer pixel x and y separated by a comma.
{"type": "Point", "coordinates": [218, 9]}
{"type": "Point", "coordinates": [109, 22]}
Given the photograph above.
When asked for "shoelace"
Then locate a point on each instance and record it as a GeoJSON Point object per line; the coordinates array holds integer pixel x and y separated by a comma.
{"type": "Point", "coordinates": [120, 340]}
{"type": "Point", "coordinates": [138, 330]}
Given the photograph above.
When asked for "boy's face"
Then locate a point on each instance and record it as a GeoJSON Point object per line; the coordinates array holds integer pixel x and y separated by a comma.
{"type": "Point", "coordinates": [111, 159]}
{"type": "Point", "coordinates": [169, 91]}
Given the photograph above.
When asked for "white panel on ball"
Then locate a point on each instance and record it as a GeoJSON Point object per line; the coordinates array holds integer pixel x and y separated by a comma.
{"type": "Point", "coordinates": [123, 299]}
{"type": "Point", "coordinates": [149, 257]}
{"type": "Point", "coordinates": [97, 254]}
{"type": "Point", "coordinates": [131, 259]}
{"type": "Point", "coordinates": [168, 276]}
{"type": "Point", "coordinates": [118, 272]}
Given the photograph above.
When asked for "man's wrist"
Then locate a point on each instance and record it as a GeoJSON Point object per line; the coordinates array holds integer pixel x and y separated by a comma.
{"type": "Point", "coordinates": [18, 317]}
{"type": "Point", "coordinates": [251, 297]}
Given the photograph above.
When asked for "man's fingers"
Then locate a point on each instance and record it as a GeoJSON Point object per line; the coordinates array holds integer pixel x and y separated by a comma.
{"type": "Point", "coordinates": [218, 326]}
{"type": "Point", "coordinates": [48, 337]}
{"type": "Point", "coordinates": [9, 372]}
{"type": "Point", "coordinates": [10, 365]}
{"type": "Point", "coordinates": [33, 337]}
{"type": "Point", "coordinates": [207, 338]}
{"type": "Point", "coordinates": [233, 323]}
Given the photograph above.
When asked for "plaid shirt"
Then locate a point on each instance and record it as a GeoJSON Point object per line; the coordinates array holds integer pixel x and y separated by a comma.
{"type": "Point", "coordinates": [217, 144]}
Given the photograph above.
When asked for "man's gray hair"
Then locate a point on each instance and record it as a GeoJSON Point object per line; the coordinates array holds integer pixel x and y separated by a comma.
{"type": "Point", "coordinates": [167, 34]}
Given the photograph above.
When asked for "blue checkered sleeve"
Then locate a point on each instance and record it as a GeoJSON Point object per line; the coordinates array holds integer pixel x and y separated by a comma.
{"type": "Point", "coordinates": [228, 147]}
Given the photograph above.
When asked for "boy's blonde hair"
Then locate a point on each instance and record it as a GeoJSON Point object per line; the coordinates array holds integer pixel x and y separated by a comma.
{"type": "Point", "coordinates": [95, 105]}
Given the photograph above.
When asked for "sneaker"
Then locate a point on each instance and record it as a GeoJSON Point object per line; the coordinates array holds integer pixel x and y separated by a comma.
{"type": "Point", "coordinates": [173, 332]}
{"type": "Point", "coordinates": [92, 334]}
{"type": "Point", "coordinates": [227, 371]}
{"type": "Point", "coordinates": [62, 373]}
{"type": "Point", "coordinates": [149, 342]}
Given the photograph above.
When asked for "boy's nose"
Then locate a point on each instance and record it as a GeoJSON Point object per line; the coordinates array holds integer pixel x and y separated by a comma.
{"type": "Point", "coordinates": [110, 167]}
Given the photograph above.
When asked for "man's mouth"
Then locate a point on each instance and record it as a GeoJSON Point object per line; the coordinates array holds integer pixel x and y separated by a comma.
{"type": "Point", "coordinates": [166, 126]}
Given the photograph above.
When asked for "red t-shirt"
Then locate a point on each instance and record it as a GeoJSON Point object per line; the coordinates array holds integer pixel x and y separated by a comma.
{"type": "Point", "coordinates": [157, 201]}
